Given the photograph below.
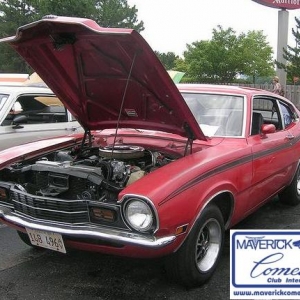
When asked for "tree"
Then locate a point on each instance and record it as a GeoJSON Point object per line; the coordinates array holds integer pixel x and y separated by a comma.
{"type": "Point", "coordinates": [292, 55]}
{"type": "Point", "coordinates": [257, 55]}
{"type": "Point", "coordinates": [69, 8]}
{"type": "Point", "coordinates": [227, 55]}
{"type": "Point", "coordinates": [107, 13]}
{"type": "Point", "coordinates": [15, 13]}
{"type": "Point", "coordinates": [215, 60]}
{"type": "Point", "coordinates": [117, 13]}
{"type": "Point", "coordinates": [167, 59]}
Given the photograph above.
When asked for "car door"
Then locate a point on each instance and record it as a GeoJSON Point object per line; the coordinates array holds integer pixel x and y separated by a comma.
{"type": "Point", "coordinates": [290, 121]}
{"type": "Point", "coordinates": [273, 153]}
{"type": "Point", "coordinates": [34, 117]}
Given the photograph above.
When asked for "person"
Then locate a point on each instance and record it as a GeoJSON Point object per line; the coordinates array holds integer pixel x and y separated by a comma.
{"type": "Point", "coordinates": [277, 87]}
{"type": "Point", "coordinates": [16, 108]}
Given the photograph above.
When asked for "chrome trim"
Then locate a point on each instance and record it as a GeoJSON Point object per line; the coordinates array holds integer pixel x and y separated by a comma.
{"type": "Point", "coordinates": [128, 197]}
{"type": "Point", "coordinates": [102, 233]}
{"type": "Point", "coordinates": [51, 210]}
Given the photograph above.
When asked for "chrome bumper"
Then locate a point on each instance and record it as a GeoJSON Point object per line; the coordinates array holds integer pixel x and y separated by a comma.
{"type": "Point", "coordinates": [105, 234]}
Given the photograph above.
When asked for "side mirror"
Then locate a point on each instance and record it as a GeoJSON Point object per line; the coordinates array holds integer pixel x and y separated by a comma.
{"type": "Point", "coordinates": [268, 128]}
{"type": "Point", "coordinates": [18, 120]}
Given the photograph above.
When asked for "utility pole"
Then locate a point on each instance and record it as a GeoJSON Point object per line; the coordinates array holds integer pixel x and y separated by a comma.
{"type": "Point", "coordinates": [282, 39]}
{"type": "Point", "coordinates": [283, 25]}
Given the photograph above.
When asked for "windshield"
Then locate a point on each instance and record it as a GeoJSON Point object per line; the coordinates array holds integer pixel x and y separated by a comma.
{"type": "Point", "coordinates": [217, 115]}
{"type": "Point", "coordinates": [3, 98]}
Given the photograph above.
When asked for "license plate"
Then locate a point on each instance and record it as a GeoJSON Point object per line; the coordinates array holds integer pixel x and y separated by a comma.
{"type": "Point", "coordinates": [45, 239]}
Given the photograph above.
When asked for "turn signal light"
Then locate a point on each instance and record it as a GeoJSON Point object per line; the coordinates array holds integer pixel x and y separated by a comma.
{"type": "Point", "coordinates": [180, 229]}
{"type": "Point", "coordinates": [103, 214]}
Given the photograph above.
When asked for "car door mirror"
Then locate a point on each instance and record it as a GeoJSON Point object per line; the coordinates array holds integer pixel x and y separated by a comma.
{"type": "Point", "coordinates": [18, 120]}
{"type": "Point", "coordinates": [268, 128]}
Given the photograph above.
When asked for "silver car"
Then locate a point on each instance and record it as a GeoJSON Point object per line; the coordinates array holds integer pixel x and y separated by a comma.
{"type": "Point", "coordinates": [31, 113]}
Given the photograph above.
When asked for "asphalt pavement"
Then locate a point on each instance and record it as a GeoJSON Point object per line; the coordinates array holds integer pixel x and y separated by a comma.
{"type": "Point", "coordinates": [27, 273]}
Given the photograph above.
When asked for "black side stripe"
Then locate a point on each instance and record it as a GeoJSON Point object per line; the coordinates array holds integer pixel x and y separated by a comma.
{"type": "Point", "coordinates": [229, 166]}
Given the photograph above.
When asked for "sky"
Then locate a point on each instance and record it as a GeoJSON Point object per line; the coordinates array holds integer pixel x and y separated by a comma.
{"type": "Point", "coordinates": [171, 24]}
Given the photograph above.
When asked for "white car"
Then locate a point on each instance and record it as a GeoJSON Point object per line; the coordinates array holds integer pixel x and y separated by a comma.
{"type": "Point", "coordinates": [31, 113]}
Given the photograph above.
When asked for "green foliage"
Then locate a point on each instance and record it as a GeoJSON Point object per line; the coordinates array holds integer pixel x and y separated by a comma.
{"type": "Point", "coordinates": [107, 13]}
{"type": "Point", "coordinates": [117, 13]}
{"type": "Point", "coordinates": [15, 13]}
{"type": "Point", "coordinates": [292, 56]}
{"type": "Point", "coordinates": [167, 59]}
{"type": "Point", "coordinates": [227, 55]}
{"type": "Point", "coordinates": [257, 55]}
{"type": "Point", "coordinates": [69, 8]}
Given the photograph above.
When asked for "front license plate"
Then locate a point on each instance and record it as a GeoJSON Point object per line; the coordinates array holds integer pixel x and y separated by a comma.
{"type": "Point", "coordinates": [45, 239]}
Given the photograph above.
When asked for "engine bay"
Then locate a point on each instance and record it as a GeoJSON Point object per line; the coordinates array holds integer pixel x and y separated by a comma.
{"type": "Point", "coordinates": [88, 173]}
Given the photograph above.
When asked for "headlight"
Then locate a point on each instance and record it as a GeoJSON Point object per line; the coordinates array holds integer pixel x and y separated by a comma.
{"type": "Point", "coordinates": [139, 215]}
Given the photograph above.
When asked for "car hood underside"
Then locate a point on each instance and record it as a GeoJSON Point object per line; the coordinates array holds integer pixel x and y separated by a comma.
{"type": "Point", "coordinates": [106, 77]}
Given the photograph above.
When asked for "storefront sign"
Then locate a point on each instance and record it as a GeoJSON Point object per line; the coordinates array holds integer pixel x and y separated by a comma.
{"type": "Point", "coordinates": [281, 4]}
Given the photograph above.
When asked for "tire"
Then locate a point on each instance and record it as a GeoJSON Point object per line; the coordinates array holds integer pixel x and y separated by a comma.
{"type": "Point", "coordinates": [196, 260]}
{"type": "Point", "coordinates": [291, 194]}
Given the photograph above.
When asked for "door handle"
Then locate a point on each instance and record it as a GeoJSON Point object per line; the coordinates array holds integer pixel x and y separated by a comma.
{"type": "Point", "coordinates": [290, 136]}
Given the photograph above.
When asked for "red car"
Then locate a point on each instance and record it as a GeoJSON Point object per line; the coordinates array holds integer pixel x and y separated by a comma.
{"type": "Point", "coordinates": [161, 170]}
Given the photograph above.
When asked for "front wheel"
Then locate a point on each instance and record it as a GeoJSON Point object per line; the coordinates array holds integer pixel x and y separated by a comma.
{"type": "Point", "coordinates": [291, 194]}
{"type": "Point", "coordinates": [196, 260]}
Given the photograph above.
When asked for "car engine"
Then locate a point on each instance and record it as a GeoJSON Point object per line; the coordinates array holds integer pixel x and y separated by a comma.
{"type": "Point", "coordinates": [90, 173]}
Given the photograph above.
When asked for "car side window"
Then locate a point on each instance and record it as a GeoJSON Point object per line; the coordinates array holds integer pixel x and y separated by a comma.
{"type": "Point", "coordinates": [37, 109]}
{"type": "Point", "coordinates": [264, 111]}
{"type": "Point", "coordinates": [286, 114]}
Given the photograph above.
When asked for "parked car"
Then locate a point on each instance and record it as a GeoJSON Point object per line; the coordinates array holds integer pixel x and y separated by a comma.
{"type": "Point", "coordinates": [160, 171]}
{"type": "Point", "coordinates": [31, 113]}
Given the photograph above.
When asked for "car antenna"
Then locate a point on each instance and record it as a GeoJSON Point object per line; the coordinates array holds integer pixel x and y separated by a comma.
{"type": "Point", "coordinates": [122, 103]}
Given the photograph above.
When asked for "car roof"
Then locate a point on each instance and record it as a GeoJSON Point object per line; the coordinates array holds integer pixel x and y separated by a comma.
{"type": "Point", "coordinates": [9, 89]}
{"type": "Point", "coordinates": [220, 88]}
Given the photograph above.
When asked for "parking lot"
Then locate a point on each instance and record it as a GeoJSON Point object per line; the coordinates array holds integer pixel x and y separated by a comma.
{"type": "Point", "coordinates": [27, 273]}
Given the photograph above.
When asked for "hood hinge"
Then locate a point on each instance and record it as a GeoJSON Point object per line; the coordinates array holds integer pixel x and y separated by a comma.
{"type": "Point", "coordinates": [191, 137]}
{"type": "Point", "coordinates": [87, 138]}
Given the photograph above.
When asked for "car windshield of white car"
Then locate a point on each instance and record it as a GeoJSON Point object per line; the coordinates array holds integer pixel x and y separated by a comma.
{"type": "Point", "coordinates": [217, 115]}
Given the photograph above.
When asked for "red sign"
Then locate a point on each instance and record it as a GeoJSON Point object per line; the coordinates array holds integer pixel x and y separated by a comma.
{"type": "Point", "coordinates": [283, 4]}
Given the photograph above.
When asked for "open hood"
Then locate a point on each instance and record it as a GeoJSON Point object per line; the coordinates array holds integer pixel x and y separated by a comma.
{"type": "Point", "coordinates": [104, 76]}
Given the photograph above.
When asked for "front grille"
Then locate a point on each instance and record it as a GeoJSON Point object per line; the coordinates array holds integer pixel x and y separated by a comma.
{"type": "Point", "coordinates": [51, 209]}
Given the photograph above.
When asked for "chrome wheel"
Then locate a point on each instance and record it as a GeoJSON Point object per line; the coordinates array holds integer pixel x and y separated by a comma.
{"type": "Point", "coordinates": [196, 260]}
{"type": "Point", "coordinates": [298, 184]}
{"type": "Point", "coordinates": [208, 245]}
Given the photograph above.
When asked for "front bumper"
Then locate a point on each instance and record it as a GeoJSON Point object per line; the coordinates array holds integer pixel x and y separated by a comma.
{"type": "Point", "coordinates": [96, 233]}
